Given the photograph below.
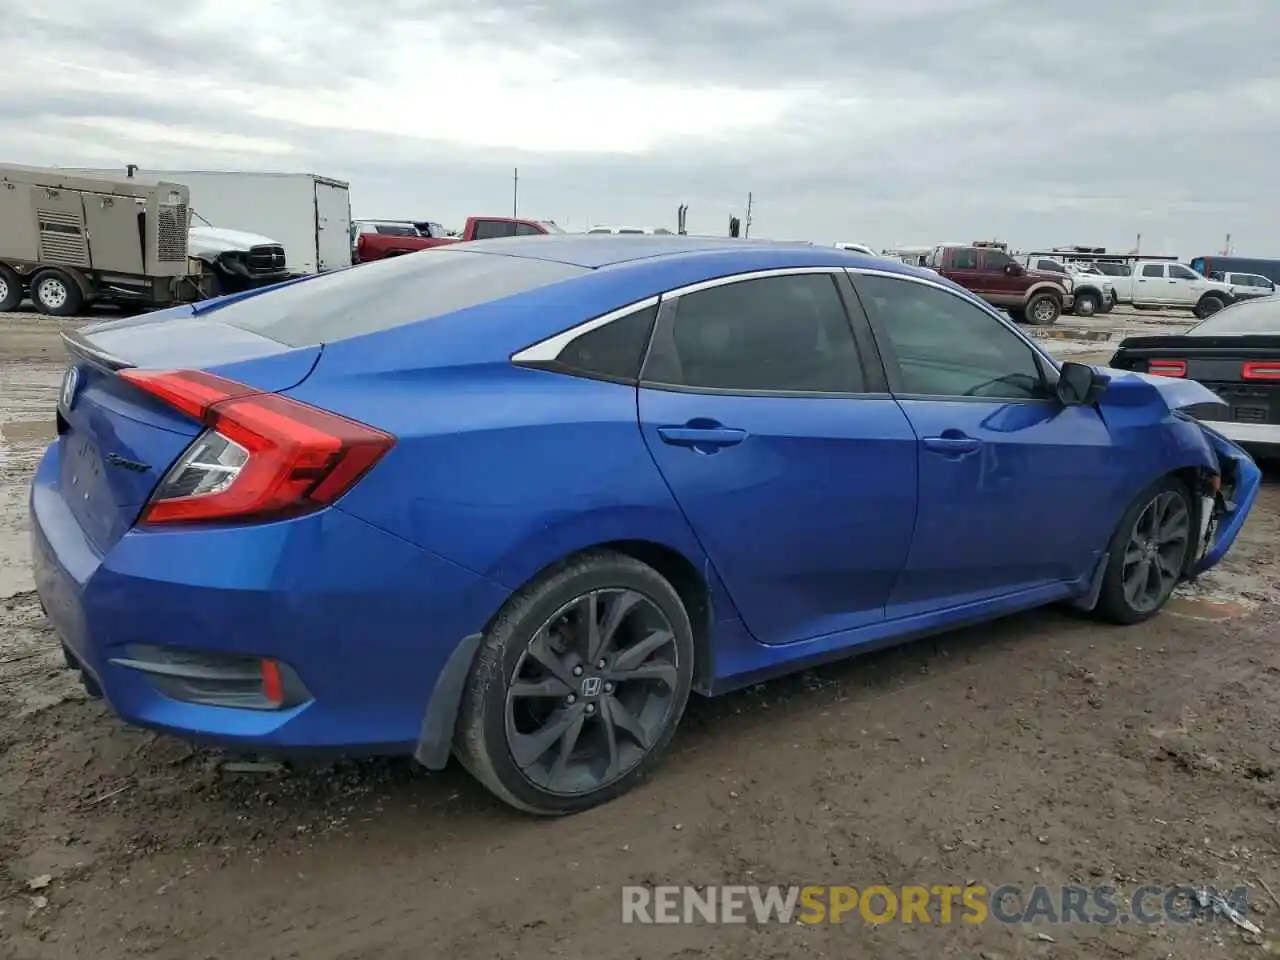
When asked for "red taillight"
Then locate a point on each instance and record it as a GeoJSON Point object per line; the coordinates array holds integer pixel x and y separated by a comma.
{"type": "Point", "coordinates": [262, 456]}
{"type": "Point", "coordinates": [1261, 370]}
{"type": "Point", "coordinates": [1168, 368]}
{"type": "Point", "coordinates": [272, 683]}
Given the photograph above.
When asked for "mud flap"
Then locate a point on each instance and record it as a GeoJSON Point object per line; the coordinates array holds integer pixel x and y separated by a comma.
{"type": "Point", "coordinates": [1090, 600]}
{"type": "Point", "coordinates": [436, 740]}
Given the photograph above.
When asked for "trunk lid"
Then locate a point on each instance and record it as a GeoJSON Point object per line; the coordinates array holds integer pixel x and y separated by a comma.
{"type": "Point", "coordinates": [1219, 363]}
{"type": "Point", "coordinates": [115, 441]}
{"type": "Point", "coordinates": [1136, 399]}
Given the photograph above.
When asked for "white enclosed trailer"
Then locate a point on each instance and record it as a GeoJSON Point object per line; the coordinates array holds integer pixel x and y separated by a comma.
{"type": "Point", "coordinates": [309, 215]}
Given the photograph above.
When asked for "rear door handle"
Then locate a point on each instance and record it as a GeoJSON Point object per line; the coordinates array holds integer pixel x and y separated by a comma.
{"type": "Point", "coordinates": [952, 446]}
{"type": "Point", "coordinates": [701, 436]}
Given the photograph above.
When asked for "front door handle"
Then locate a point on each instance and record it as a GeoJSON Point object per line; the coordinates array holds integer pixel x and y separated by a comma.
{"type": "Point", "coordinates": [705, 437]}
{"type": "Point", "coordinates": [952, 444]}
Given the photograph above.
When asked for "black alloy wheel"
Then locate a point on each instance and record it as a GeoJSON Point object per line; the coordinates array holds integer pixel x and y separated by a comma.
{"type": "Point", "coordinates": [1148, 553]}
{"type": "Point", "coordinates": [578, 685]}
{"type": "Point", "coordinates": [591, 692]}
{"type": "Point", "coordinates": [1156, 550]}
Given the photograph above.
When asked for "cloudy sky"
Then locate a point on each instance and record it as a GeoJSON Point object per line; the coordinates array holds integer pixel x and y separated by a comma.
{"type": "Point", "coordinates": [880, 121]}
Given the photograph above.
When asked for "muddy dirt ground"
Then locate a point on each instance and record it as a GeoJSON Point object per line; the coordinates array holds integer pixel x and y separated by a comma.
{"type": "Point", "coordinates": [1042, 749]}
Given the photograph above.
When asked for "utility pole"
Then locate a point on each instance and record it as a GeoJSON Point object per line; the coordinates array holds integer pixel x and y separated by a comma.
{"type": "Point", "coordinates": [746, 227]}
{"type": "Point", "coordinates": [515, 192]}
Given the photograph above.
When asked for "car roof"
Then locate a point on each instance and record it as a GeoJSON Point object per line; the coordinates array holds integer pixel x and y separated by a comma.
{"type": "Point", "coordinates": [596, 251]}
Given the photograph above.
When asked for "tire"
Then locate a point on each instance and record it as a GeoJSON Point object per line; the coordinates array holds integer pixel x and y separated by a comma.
{"type": "Point", "coordinates": [1209, 305]}
{"type": "Point", "coordinates": [10, 289]}
{"type": "Point", "coordinates": [55, 294]}
{"type": "Point", "coordinates": [1086, 304]}
{"type": "Point", "coordinates": [1043, 310]}
{"type": "Point", "coordinates": [1119, 605]}
{"type": "Point", "coordinates": [500, 718]}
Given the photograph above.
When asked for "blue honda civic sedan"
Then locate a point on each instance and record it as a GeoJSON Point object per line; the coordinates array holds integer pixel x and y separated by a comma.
{"type": "Point", "coordinates": [514, 500]}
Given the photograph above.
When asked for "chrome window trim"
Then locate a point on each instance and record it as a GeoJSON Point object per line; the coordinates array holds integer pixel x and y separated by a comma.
{"type": "Point", "coordinates": [743, 277]}
{"type": "Point", "coordinates": [969, 298]}
{"type": "Point", "coordinates": [549, 350]}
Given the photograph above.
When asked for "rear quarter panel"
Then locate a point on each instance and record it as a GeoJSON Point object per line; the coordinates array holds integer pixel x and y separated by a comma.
{"type": "Point", "coordinates": [504, 470]}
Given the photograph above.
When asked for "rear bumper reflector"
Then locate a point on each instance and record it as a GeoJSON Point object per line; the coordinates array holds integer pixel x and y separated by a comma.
{"type": "Point", "coordinates": [217, 679]}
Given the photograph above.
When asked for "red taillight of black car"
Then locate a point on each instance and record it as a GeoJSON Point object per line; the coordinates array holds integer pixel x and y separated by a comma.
{"type": "Point", "coordinates": [261, 456]}
{"type": "Point", "coordinates": [1167, 368]}
{"type": "Point", "coordinates": [1260, 370]}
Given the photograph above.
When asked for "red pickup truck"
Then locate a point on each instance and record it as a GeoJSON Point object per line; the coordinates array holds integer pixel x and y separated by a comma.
{"type": "Point", "coordinates": [379, 239]}
{"type": "Point", "coordinates": [1030, 296]}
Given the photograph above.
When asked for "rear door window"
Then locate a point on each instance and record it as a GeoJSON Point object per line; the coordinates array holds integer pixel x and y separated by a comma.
{"type": "Point", "coordinates": [995, 260]}
{"type": "Point", "coordinates": [787, 334]}
{"type": "Point", "coordinates": [387, 293]}
{"type": "Point", "coordinates": [491, 229]}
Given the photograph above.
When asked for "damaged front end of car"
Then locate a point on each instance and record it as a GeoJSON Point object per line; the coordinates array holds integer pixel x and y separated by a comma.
{"type": "Point", "coordinates": [1227, 479]}
{"type": "Point", "coordinates": [1224, 500]}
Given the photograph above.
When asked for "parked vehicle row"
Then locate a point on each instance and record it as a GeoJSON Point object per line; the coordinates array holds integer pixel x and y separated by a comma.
{"type": "Point", "coordinates": [549, 487]}
{"type": "Point", "coordinates": [71, 240]}
{"type": "Point", "coordinates": [304, 215]}
{"type": "Point", "coordinates": [1031, 296]}
{"type": "Point", "coordinates": [1091, 293]}
{"type": "Point", "coordinates": [379, 239]}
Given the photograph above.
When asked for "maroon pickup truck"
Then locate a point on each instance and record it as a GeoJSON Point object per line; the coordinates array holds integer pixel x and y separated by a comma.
{"type": "Point", "coordinates": [1030, 296]}
{"type": "Point", "coordinates": [379, 239]}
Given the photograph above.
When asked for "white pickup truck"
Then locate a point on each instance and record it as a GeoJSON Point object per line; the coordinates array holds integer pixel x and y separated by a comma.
{"type": "Point", "coordinates": [1094, 293]}
{"type": "Point", "coordinates": [1163, 283]}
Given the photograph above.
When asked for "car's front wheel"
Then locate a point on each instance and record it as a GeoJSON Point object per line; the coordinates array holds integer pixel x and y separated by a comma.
{"type": "Point", "coordinates": [578, 685]}
{"type": "Point", "coordinates": [1148, 553]}
{"type": "Point", "coordinates": [1087, 304]}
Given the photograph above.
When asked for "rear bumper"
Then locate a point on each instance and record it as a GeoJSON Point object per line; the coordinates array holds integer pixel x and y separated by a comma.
{"type": "Point", "coordinates": [364, 619]}
{"type": "Point", "coordinates": [1248, 434]}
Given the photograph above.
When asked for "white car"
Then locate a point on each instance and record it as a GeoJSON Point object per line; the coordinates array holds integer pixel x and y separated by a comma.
{"type": "Point", "coordinates": [1245, 286]}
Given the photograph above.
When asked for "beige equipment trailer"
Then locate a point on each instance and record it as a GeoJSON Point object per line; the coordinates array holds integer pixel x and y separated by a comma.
{"type": "Point", "coordinates": [68, 240]}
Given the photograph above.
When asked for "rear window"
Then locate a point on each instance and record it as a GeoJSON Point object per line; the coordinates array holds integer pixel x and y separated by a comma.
{"type": "Point", "coordinates": [388, 293]}
{"type": "Point", "coordinates": [1253, 317]}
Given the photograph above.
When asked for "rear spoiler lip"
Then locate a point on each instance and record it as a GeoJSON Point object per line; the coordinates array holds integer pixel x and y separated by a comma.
{"type": "Point", "coordinates": [1255, 341]}
{"type": "Point", "coordinates": [82, 347]}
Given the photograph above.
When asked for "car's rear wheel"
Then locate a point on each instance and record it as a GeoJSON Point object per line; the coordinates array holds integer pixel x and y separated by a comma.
{"type": "Point", "coordinates": [10, 289]}
{"type": "Point", "coordinates": [1043, 310]}
{"type": "Point", "coordinates": [1209, 305]}
{"type": "Point", "coordinates": [56, 294]}
{"type": "Point", "coordinates": [1148, 553]}
{"type": "Point", "coordinates": [578, 685]}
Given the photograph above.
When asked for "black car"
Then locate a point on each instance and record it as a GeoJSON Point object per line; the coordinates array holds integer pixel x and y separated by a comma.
{"type": "Point", "coordinates": [1236, 354]}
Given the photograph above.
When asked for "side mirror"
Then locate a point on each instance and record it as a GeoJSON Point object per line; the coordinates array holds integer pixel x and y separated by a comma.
{"type": "Point", "coordinates": [1013, 270]}
{"type": "Point", "coordinates": [1080, 385]}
